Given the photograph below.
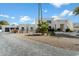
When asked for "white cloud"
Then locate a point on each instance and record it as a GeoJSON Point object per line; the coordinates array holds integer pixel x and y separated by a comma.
{"type": "Point", "coordinates": [71, 13]}
{"type": "Point", "coordinates": [56, 17]}
{"type": "Point", "coordinates": [58, 5]}
{"type": "Point", "coordinates": [33, 22]}
{"type": "Point", "coordinates": [14, 23]}
{"type": "Point", "coordinates": [24, 18]}
{"type": "Point", "coordinates": [12, 17]}
{"type": "Point", "coordinates": [3, 15]}
{"type": "Point", "coordinates": [6, 16]}
{"type": "Point", "coordinates": [66, 12]}
{"type": "Point", "coordinates": [45, 11]}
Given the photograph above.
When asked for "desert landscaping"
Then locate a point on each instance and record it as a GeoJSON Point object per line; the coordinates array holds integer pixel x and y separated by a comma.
{"type": "Point", "coordinates": [61, 42]}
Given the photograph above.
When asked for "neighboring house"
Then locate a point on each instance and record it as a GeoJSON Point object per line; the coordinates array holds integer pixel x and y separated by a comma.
{"type": "Point", "coordinates": [21, 28]}
{"type": "Point", "coordinates": [8, 28]}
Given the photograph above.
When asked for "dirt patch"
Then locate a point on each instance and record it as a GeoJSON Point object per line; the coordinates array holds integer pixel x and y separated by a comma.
{"type": "Point", "coordinates": [61, 42]}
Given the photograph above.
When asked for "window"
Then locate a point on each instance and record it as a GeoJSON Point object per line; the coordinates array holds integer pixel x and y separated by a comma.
{"type": "Point", "coordinates": [12, 28]}
{"type": "Point", "coordinates": [62, 26]}
{"type": "Point", "coordinates": [22, 28]}
{"type": "Point", "coordinates": [17, 28]}
{"type": "Point", "coordinates": [31, 28]}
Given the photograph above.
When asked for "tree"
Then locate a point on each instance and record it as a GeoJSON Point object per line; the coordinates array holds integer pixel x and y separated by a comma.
{"type": "Point", "coordinates": [4, 22]}
{"type": "Point", "coordinates": [42, 27]}
{"type": "Point", "coordinates": [76, 11]}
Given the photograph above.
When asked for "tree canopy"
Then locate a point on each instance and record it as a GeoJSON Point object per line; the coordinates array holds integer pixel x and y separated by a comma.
{"type": "Point", "coordinates": [4, 22]}
{"type": "Point", "coordinates": [76, 11]}
{"type": "Point", "coordinates": [42, 26]}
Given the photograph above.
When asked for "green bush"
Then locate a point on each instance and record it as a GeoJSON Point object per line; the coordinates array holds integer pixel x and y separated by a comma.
{"type": "Point", "coordinates": [14, 31]}
{"type": "Point", "coordinates": [4, 22]}
{"type": "Point", "coordinates": [68, 30]}
{"type": "Point", "coordinates": [42, 27]}
{"type": "Point", "coordinates": [59, 29]}
{"type": "Point", "coordinates": [51, 32]}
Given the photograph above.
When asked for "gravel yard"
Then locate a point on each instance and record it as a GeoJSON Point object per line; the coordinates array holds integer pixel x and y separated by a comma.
{"type": "Point", "coordinates": [12, 45]}
{"type": "Point", "coordinates": [61, 42]}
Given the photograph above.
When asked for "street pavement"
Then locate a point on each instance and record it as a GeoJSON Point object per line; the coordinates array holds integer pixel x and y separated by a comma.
{"type": "Point", "coordinates": [10, 45]}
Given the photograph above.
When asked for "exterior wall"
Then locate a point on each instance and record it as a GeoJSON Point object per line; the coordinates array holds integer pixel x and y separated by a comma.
{"type": "Point", "coordinates": [7, 26]}
{"type": "Point", "coordinates": [23, 25]}
{"type": "Point", "coordinates": [70, 25]}
{"type": "Point", "coordinates": [27, 27]}
{"type": "Point", "coordinates": [56, 24]}
{"type": "Point", "coordinates": [76, 27]}
{"type": "Point", "coordinates": [3, 27]}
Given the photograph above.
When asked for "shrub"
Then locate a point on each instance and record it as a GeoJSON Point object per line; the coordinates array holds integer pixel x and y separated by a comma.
{"type": "Point", "coordinates": [38, 30]}
{"type": "Point", "coordinates": [4, 22]}
{"type": "Point", "coordinates": [14, 30]}
{"type": "Point", "coordinates": [68, 30]}
{"type": "Point", "coordinates": [42, 27]}
{"type": "Point", "coordinates": [51, 31]}
{"type": "Point", "coordinates": [58, 29]}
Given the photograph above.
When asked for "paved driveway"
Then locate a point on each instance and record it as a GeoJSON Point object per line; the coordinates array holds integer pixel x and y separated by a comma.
{"type": "Point", "coordinates": [12, 46]}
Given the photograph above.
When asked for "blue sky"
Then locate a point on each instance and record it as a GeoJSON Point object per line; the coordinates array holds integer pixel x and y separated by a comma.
{"type": "Point", "coordinates": [23, 13]}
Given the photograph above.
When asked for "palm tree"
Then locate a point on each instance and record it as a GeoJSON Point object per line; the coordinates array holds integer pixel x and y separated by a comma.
{"type": "Point", "coordinates": [39, 12]}
{"type": "Point", "coordinates": [39, 15]}
{"type": "Point", "coordinates": [76, 11]}
{"type": "Point", "coordinates": [42, 25]}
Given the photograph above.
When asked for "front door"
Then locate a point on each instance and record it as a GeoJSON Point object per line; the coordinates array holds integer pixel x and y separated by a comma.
{"type": "Point", "coordinates": [62, 26]}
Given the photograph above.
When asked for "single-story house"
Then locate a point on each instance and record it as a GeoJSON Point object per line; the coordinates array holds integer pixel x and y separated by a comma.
{"type": "Point", "coordinates": [62, 24]}
{"type": "Point", "coordinates": [21, 27]}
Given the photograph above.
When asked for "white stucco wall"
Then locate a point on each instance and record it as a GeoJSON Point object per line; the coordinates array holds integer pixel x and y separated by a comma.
{"type": "Point", "coordinates": [27, 27]}
{"type": "Point", "coordinates": [56, 24]}
{"type": "Point", "coordinates": [76, 27]}
{"type": "Point", "coordinates": [7, 26]}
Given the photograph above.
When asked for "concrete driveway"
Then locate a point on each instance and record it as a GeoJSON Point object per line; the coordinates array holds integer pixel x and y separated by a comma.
{"type": "Point", "coordinates": [10, 45]}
